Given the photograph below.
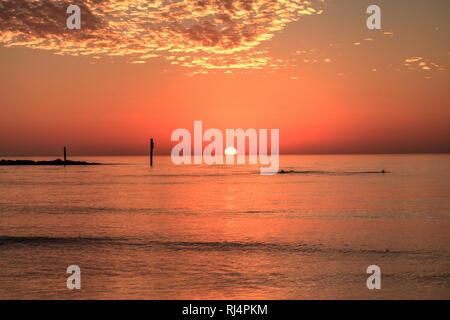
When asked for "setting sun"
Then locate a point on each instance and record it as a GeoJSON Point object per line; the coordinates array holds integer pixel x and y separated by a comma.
{"type": "Point", "coordinates": [230, 151]}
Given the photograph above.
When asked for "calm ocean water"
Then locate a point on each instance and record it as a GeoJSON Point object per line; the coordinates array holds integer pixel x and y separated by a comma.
{"type": "Point", "coordinates": [226, 232]}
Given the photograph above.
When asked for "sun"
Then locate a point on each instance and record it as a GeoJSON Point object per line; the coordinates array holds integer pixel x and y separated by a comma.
{"type": "Point", "coordinates": [230, 151]}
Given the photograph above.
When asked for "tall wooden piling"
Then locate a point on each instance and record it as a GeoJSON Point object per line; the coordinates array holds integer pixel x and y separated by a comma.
{"type": "Point", "coordinates": [65, 158]}
{"type": "Point", "coordinates": [152, 145]}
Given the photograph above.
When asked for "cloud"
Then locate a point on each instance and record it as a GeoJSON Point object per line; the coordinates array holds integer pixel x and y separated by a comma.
{"type": "Point", "coordinates": [421, 63]}
{"type": "Point", "coordinates": [412, 59]}
{"type": "Point", "coordinates": [141, 29]}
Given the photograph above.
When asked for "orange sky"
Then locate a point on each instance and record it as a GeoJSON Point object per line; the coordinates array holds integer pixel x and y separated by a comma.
{"type": "Point", "coordinates": [327, 82]}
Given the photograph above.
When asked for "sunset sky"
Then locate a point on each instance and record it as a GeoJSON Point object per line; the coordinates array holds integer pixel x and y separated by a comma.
{"type": "Point", "coordinates": [139, 69]}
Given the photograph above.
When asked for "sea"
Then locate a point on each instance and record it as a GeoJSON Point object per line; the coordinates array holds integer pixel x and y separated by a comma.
{"type": "Point", "coordinates": [226, 231]}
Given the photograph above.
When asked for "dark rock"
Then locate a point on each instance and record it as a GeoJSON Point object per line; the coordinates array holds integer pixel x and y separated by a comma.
{"type": "Point", "coordinates": [57, 162]}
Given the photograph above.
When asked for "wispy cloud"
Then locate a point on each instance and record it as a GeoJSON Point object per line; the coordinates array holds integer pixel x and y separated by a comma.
{"type": "Point", "coordinates": [203, 33]}
{"type": "Point", "coordinates": [421, 63]}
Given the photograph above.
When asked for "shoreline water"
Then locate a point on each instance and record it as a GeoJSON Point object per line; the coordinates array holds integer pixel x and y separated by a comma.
{"type": "Point", "coordinates": [226, 232]}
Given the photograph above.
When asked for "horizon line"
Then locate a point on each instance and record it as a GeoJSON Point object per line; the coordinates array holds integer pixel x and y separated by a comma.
{"type": "Point", "coordinates": [293, 154]}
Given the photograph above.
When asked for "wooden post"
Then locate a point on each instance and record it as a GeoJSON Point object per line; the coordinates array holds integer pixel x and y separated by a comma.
{"type": "Point", "coordinates": [152, 145]}
{"type": "Point", "coordinates": [65, 158]}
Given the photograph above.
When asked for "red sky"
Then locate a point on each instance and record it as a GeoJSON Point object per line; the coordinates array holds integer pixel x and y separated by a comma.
{"type": "Point", "coordinates": [327, 82]}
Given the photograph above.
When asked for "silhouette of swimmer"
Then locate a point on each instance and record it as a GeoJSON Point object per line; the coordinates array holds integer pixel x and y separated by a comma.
{"type": "Point", "coordinates": [291, 171]}
{"type": "Point", "coordinates": [287, 171]}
